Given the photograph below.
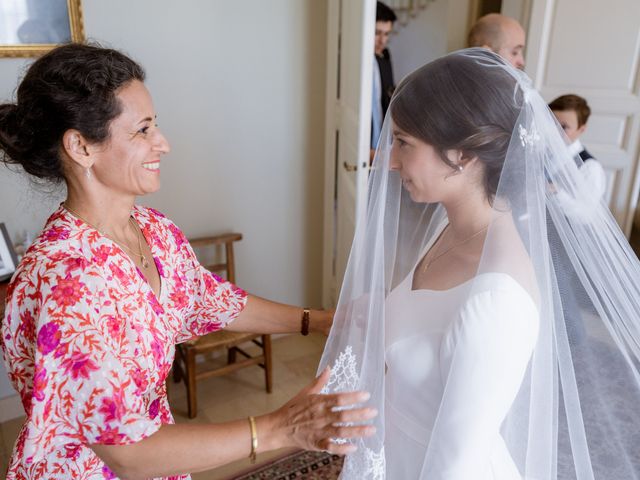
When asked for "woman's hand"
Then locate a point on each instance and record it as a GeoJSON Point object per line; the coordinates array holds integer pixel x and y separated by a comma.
{"type": "Point", "coordinates": [309, 420]}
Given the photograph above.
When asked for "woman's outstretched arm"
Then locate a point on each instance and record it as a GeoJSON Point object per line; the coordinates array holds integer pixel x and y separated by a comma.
{"type": "Point", "coordinates": [307, 421]}
{"type": "Point", "coordinates": [265, 316]}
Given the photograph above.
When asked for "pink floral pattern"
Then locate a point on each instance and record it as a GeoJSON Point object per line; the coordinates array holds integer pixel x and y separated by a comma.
{"type": "Point", "coordinates": [88, 345]}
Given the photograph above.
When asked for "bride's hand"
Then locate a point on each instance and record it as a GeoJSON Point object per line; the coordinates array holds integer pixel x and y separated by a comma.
{"type": "Point", "coordinates": [309, 420]}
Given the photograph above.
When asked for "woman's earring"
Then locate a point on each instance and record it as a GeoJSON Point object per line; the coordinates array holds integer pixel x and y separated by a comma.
{"type": "Point", "coordinates": [460, 168]}
{"type": "Point", "coordinates": [87, 173]}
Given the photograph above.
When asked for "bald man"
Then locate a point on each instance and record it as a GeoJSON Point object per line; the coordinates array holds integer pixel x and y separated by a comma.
{"type": "Point", "coordinates": [503, 35]}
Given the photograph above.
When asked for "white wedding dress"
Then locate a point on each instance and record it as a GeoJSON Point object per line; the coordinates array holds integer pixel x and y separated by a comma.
{"type": "Point", "coordinates": [531, 369]}
{"type": "Point", "coordinates": [475, 354]}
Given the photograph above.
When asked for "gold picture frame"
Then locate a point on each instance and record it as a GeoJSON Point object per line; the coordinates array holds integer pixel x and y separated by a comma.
{"type": "Point", "coordinates": [46, 26]}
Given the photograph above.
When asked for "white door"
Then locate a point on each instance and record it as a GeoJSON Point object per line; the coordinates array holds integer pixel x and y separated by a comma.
{"type": "Point", "coordinates": [350, 39]}
{"type": "Point", "coordinates": [592, 48]}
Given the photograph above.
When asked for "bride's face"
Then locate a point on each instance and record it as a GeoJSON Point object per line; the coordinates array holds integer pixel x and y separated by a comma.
{"type": "Point", "coordinates": [424, 174]}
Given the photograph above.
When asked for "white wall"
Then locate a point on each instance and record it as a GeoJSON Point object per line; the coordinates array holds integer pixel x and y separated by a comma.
{"type": "Point", "coordinates": [560, 35]}
{"type": "Point", "coordinates": [239, 91]}
{"type": "Point", "coordinates": [439, 28]}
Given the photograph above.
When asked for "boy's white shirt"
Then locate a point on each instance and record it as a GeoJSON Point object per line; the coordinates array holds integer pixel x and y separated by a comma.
{"type": "Point", "coordinates": [595, 183]}
{"type": "Point", "coordinates": [591, 170]}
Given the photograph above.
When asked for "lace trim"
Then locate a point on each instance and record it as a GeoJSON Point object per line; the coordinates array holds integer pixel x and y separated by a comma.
{"type": "Point", "coordinates": [344, 375]}
{"type": "Point", "coordinates": [365, 463]}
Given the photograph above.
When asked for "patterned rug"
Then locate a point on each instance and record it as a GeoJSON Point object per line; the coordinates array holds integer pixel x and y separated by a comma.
{"type": "Point", "coordinates": [298, 465]}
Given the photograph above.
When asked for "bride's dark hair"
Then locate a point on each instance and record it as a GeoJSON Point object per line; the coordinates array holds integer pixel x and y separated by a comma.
{"type": "Point", "coordinates": [459, 103]}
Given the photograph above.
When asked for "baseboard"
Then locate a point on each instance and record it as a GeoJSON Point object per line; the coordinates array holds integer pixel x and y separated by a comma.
{"type": "Point", "coordinates": [10, 408]}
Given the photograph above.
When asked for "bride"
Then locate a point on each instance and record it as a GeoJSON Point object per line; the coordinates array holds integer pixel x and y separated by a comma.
{"type": "Point", "coordinates": [455, 309]}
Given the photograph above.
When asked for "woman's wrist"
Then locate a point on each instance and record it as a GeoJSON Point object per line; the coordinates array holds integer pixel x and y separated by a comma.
{"type": "Point", "coordinates": [271, 435]}
{"type": "Point", "coordinates": [311, 320]}
{"type": "Point", "coordinates": [320, 321]}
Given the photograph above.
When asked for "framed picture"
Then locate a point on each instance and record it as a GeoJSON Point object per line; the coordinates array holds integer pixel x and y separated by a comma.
{"type": "Point", "coordinates": [8, 257]}
{"type": "Point", "coordinates": [29, 28]}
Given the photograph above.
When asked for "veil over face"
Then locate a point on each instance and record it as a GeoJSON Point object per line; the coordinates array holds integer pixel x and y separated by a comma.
{"type": "Point", "coordinates": [566, 334]}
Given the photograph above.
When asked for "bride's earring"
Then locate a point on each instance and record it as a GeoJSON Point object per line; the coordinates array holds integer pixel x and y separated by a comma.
{"type": "Point", "coordinates": [87, 173]}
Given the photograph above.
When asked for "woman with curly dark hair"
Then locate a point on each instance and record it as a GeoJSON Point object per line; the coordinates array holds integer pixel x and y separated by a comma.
{"type": "Point", "coordinates": [100, 299]}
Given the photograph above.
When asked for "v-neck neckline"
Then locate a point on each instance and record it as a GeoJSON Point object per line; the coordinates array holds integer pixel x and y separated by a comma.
{"type": "Point", "coordinates": [157, 296]}
{"type": "Point", "coordinates": [134, 213]}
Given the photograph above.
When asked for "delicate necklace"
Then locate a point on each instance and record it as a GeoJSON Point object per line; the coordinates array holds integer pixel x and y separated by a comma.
{"type": "Point", "coordinates": [143, 258]}
{"type": "Point", "coordinates": [430, 261]}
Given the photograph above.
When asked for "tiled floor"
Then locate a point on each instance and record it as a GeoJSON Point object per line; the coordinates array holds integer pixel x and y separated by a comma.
{"type": "Point", "coordinates": [237, 395]}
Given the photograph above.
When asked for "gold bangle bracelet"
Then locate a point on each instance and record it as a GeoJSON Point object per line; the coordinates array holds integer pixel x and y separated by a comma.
{"type": "Point", "coordinates": [254, 439]}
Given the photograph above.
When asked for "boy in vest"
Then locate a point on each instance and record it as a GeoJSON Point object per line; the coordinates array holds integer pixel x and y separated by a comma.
{"type": "Point", "coordinates": [572, 113]}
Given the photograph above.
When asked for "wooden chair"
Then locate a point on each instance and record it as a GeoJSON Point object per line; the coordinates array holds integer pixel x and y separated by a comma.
{"type": "Point", "coordinates": [184, 365]}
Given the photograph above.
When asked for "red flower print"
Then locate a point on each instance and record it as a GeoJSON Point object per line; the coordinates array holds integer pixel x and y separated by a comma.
{"type": "Point", "coordinates": [28, 326]}
{"type": "Point", "coordinates": [165, 415]}
{"type": "Point", "coordinates": [180, 299]}
{"type": "Point", "coordinates": [102, 254]}
{"type": "Point", "coordinates": [39, 384]}
{"type": "Point", "coordinates": [111, 436]}
{"type": "Point", "coordinates": [47, 409]}
{"type": "Point", "coordinates": [72, 451]}
{"type": "Point", "coordinates": [113, 326]}
{"type": "Point", "coordinates": [56, 233]}
{"type": "Point", "coordinates": [158, 266]}
{"type": "Point", "coordinates": [68, 291]}
{"type": "Point", "coordinates": [178, 236]}
{"type": "Point", "coordinates": [155, 305]}
{"type": "Point", "coordinates": [217, 278]}
{"type": "Point", "coordinates": [210, 282]}
{"type": "Point", "coordinates": [158, 351]}
{"type": "Point", "coordinates": [107, 473]}
{"type": "Point", "coordinates": [154, 407]}
{"type": "Point", "coordinates": [53, 364]}
{"type": "Point", "coordinates": [79, 365]}
{"type": "Point", "coordinates": [113, 408]}
{"type": "Point", "coordinates": [141, 381]}
{"type": "Point", "coordinates": [75, 263]}
{"type": "Point", "coordinates": [156, 212]}
{"type": "Point", "coordinates": [48, 337]}
{"type": "Point", "coordinates": [119, 274]}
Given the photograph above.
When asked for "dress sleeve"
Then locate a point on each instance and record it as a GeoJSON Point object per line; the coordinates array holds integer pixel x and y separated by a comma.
{"type": "Point", "coordinates": [76, 375]}
{"type": "Point", "coordinates": [214, 302]}
{"type": "Point", "coordinates": [484, 357]}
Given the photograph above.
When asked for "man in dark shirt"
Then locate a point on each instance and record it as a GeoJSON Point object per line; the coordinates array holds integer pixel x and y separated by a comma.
{"type": "Point", "coordinates": [383, 83]}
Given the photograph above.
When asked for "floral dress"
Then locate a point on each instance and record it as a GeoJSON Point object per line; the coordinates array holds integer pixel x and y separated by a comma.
{"type": "Point", "coordinates": [88, 345]}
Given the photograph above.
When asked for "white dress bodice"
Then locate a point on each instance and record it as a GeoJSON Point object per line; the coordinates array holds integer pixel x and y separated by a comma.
{"type": "Point", "coordinates": [455, 361]}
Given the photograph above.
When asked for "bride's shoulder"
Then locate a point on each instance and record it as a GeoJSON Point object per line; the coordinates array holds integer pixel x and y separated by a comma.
{"type": "Point", "coordinates": [500, 285]}
{"type": "Point", "coordinates": [501, 300]}
{"type": "Point", "coordinates": [497, 309]}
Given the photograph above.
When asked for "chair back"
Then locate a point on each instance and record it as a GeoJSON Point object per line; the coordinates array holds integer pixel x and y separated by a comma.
{"type": "Point", "coordinates": [226, 240]}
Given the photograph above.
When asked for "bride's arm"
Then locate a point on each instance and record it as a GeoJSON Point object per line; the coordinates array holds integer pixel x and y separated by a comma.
{"type": "Point", "coordinates": [483, 360]}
